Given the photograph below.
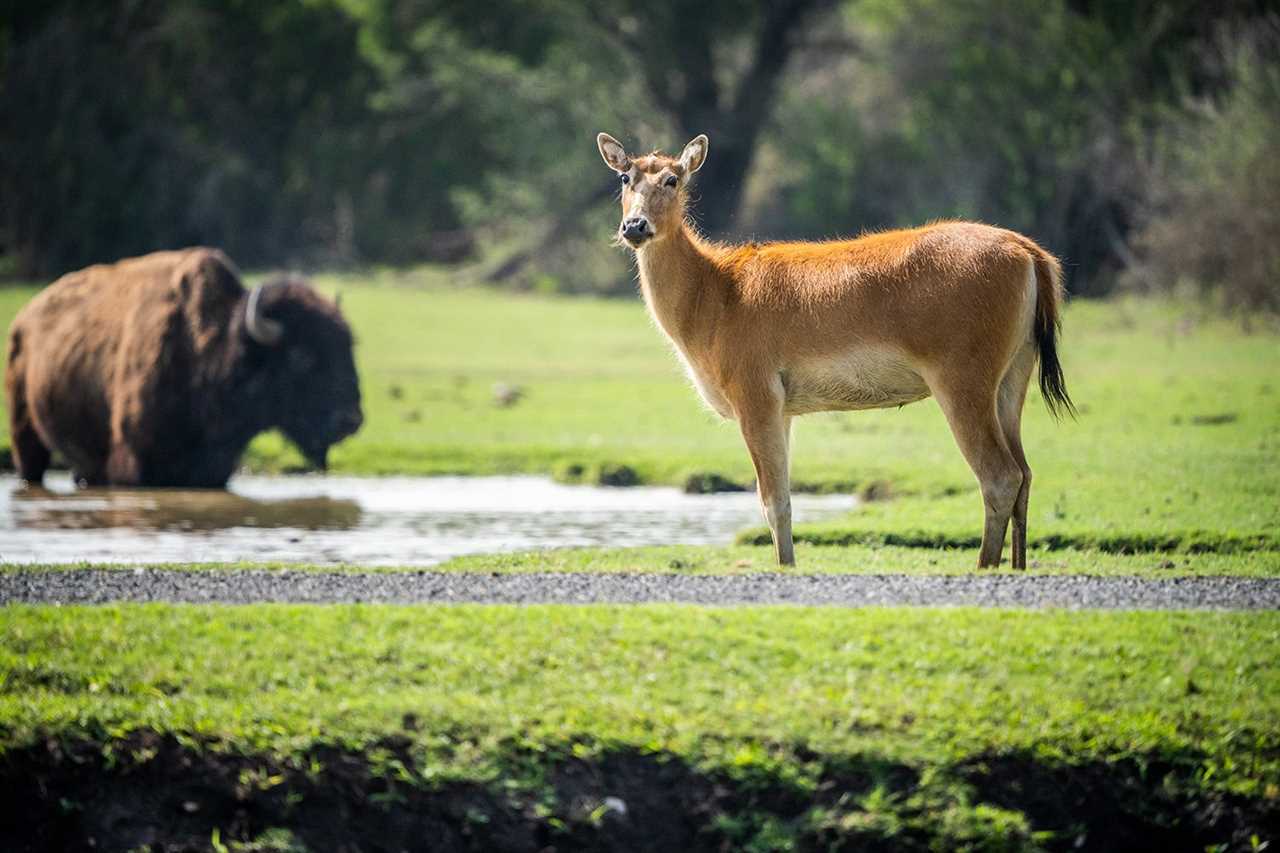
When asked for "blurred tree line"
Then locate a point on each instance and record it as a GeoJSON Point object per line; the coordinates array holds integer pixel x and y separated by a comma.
{"type": "Point", "coordinates": [1127, 137]}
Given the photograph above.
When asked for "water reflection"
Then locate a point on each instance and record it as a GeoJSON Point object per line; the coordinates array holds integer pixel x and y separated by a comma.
{"type": "Point", "coordinates": [165, 509]}
{"type": "Point", "coordinates": [367, 521]}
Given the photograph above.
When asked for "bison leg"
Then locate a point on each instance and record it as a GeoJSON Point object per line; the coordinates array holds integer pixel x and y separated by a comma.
{"type": "Point", "coordinates": [30, 455]}
{"type": "Point", "coordinates": [89, 479]}
{"type": "Point", "coordinates": [123, 467]}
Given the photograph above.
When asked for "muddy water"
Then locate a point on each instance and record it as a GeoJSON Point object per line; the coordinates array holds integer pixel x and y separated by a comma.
{"type": "Point", "coordinates": [371, 521]}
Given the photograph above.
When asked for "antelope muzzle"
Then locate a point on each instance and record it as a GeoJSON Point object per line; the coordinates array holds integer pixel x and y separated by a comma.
{"type": "Point", "coordinates": [636, 231]}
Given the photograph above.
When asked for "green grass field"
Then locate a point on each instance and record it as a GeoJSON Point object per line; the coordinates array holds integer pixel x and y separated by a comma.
{"type": "Point", "coordinates": [879, 726]}
{"type": "Point", "coordinates": [812, 559]}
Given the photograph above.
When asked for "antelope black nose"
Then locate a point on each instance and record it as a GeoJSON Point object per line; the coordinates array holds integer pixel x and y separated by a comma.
{"type": "Point", "coordinates": [635, 228]}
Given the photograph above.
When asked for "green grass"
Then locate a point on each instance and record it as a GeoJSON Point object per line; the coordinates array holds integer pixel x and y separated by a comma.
{"type": "Point", "coordinates": [1155, 525]}
{"type": "Point", "coordinates": [1177, 448]}
{"type": "Point", "coordinates": [764, 696]}
{"type": "Point", "coordinates": [1178, 441]}
{"type": "Point", "coordinates": [743, 559]}
{"type": "Point", "coordinates": [1173, 469]}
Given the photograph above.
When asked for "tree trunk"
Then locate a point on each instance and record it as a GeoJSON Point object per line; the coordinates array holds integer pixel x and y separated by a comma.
{"type": "Point", "coordinates": [720, 184]}
{"type": "Point", "coordinates": [734, 127]}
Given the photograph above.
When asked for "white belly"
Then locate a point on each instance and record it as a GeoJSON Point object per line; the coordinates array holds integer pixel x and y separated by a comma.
{"type": "Point", "coordinates": [861, 378]}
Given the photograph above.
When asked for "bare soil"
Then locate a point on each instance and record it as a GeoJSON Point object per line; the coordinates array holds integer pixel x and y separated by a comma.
{"type": "Point", "coordinates": [151, 792]}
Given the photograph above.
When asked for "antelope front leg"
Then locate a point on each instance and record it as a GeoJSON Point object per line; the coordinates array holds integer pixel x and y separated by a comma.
{"type": "Point", "coordinates": [765, 429]}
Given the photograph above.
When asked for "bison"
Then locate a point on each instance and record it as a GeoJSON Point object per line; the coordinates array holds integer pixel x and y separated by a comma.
{"type": "Point", "coordinates": [159, 370]}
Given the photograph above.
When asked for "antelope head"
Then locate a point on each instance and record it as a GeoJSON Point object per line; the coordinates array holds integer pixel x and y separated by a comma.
{"type": "Point", "coordinates": [653, 188]}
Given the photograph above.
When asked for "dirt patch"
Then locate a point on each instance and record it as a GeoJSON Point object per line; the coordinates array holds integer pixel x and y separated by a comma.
{"type": "Point", "coordinates": [151, 792]}
{"type": "Point", "coordinates": [1127, 806]}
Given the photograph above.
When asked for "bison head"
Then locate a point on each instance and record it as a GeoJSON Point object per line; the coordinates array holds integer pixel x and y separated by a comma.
{"type": "Point", "coordinates": [304, 348]}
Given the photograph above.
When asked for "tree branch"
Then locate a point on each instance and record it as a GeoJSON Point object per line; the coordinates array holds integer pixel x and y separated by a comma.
{"type": "Point", "coordinates": [659, 86]}
{"type": "Point", "coordinates": [774, 46]}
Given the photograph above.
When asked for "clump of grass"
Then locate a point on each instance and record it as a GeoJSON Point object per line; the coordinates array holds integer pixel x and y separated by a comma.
{"type": "Point", "coordinates": [710, 483]}
{"type": "Point", "coordinates": [597, 474]}
{"type": "Point", "coordinates": [1172, 542]}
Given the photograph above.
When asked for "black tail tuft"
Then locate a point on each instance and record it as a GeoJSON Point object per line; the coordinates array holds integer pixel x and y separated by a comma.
{"type": "Point", "coordinates": [1049, 298]}
{"type": "Point", "coordinates": [1053, 385]}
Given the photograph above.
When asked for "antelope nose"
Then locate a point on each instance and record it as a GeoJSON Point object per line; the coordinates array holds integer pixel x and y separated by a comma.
{"type": "Point", "coordinates": [635, 228]}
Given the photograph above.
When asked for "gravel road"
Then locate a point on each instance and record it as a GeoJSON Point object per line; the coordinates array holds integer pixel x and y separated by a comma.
{"type": "Point", "coordinates": [240, 587]}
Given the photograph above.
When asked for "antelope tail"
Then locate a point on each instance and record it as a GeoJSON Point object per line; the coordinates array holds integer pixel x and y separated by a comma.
{"type": "Point", "coordinates": [1049, 298]}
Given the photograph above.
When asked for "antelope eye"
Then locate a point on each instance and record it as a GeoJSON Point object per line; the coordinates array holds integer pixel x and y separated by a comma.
{"type": "Point", "coordinates": [625, 178]}
{"type": "Point", "coordinates": [672, 181]}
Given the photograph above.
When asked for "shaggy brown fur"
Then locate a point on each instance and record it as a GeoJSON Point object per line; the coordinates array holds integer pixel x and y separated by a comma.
{"type": "Point", "coordinates": [142, 372]}
{"type": "Point", "coordinates": [956, 310]}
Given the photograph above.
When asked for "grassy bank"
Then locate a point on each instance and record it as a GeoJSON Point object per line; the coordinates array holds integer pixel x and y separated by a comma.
{"type": "Point", "coordinates": [898, 728]}
{"type": "Point", "coordinates": [1177, 449]}
{"type": "Point", "coordinates": [743, 559]}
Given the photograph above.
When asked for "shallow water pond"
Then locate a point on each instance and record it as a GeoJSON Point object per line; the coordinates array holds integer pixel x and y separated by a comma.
{"type": "Point", "coordinates": [371, 521]}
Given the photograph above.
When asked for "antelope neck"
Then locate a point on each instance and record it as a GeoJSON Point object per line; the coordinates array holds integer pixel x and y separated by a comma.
{"type": "Point", "coordinates": [682, 285]}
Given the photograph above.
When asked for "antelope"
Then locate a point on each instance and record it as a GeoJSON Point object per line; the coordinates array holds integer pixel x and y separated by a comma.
{"type": "Point", "coordinates": [959, 311]}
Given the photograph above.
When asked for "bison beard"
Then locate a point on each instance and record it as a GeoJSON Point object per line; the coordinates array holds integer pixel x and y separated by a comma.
{"type": "Point", "coordinates": [159, 370]}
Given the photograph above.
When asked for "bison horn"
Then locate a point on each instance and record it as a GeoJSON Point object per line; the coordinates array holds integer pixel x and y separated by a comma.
{"type": "Point", "coordinates": [262, 329]}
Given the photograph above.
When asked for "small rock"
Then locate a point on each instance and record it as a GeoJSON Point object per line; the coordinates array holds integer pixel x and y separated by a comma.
{"type": "Point", "coordinates": [617, 475]}
{"type": "Point", "coordinates": [709, 483]}
{"type": "Point", "coordinates": [879, 490]}
{"type": "Point", "coordinates": [505, 395]}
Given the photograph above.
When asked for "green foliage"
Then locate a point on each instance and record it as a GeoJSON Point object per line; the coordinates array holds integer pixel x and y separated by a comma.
{"type": "Point", "coordinates": [132, 126]}
{"type": "Point", "coordinates": [491, 109]}
{"type": "Point", "coordinates": [1212, 221]}
{"type": "Point", "coordinates": [274, 840]}
{"type": "Point", "coordinates": [1021, 113]}
{"type": "Point", "coordinates": [340, 131]}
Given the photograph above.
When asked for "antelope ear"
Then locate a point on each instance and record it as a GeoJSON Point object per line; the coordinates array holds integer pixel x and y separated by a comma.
{"type": "Point", "coordinates": [615, 156]}
{"type": "Point", "coordinates": [695, 154]}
